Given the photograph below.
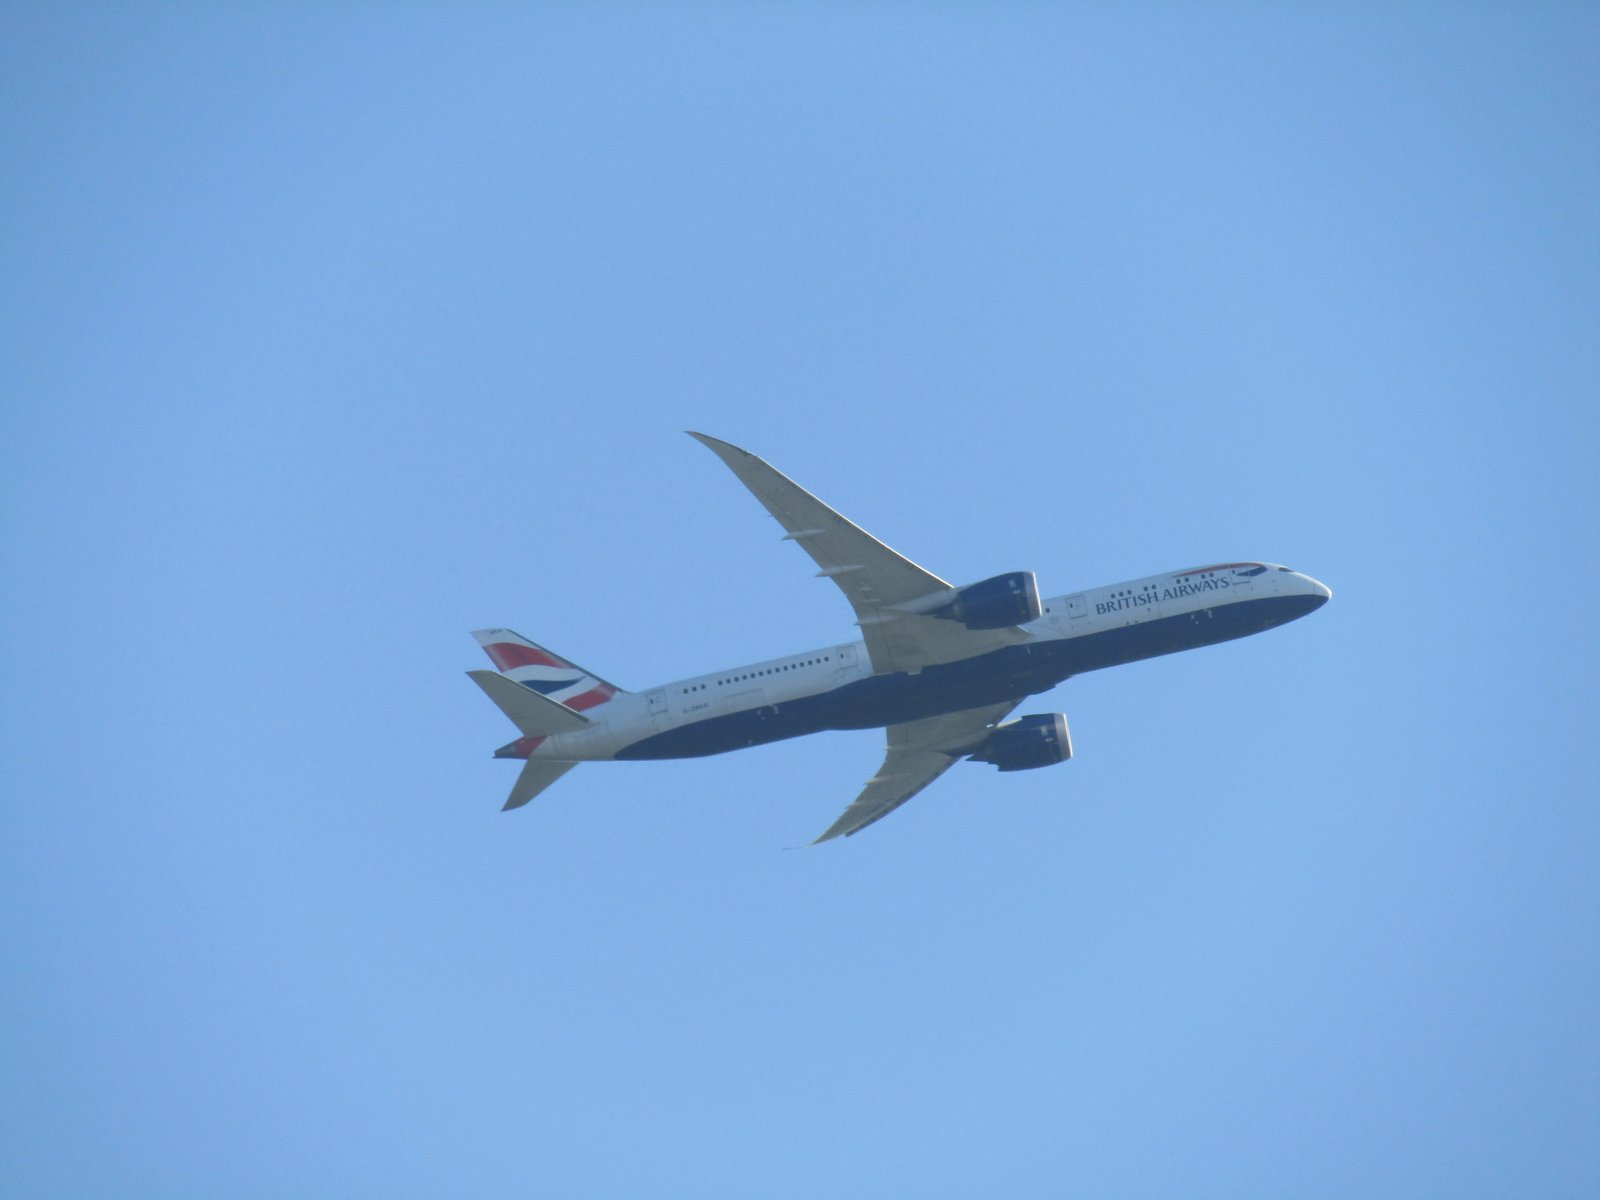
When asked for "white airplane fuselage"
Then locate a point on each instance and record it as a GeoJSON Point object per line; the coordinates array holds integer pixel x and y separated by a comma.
{"type": "Point", "coordinates": [836, 687]}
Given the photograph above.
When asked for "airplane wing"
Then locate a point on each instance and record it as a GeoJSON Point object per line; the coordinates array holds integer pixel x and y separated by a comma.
{"type": "Point", "coordinates": [878, 582]}
{"type": "Point", "coordinates": [919, 752]}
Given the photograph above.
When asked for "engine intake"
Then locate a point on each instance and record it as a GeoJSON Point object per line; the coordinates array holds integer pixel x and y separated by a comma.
{"type": "Point", "coordinates": [996, 603]}
{"type": "Point", "coordinates": [1038, 740]}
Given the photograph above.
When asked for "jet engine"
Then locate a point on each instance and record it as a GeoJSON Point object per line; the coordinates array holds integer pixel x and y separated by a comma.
{"type": "Point", "coordinates": [995, 603]}
{"type": "Point", "coordinates": [1039, 740]}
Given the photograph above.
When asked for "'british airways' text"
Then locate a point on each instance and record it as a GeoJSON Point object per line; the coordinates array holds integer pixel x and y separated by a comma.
{"type": "Point", "coordinates": [1140, 599]}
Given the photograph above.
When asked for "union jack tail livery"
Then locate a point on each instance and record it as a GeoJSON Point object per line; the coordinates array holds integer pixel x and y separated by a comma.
{"type": "Point", "coordinates": [552, 676]}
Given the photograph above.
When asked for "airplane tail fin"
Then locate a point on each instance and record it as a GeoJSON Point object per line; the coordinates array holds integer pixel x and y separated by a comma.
{"type": "Point", "coordinates": [544, 672]}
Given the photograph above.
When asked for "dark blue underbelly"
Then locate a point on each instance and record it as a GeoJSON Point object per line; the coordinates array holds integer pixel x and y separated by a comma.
{"type": "Point", "coordinates": [972, 683]}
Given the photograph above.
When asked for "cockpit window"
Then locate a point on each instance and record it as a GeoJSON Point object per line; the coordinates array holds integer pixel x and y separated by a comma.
{"type": "Point", "coordinates": [1285, 569]}
{"type": "Point", "coordinates": [1251, 571]}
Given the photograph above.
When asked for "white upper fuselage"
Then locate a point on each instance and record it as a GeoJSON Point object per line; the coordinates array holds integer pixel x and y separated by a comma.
{"type": "Point", "coordinates": [1106, 614]}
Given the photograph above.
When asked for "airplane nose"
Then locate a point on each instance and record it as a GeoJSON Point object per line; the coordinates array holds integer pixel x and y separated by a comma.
{"type": "Point", "coordinates": [1320, 591]}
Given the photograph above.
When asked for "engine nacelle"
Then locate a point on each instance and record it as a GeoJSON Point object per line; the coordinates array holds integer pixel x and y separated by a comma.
{"type": "Point", "coordinates": [995, 603]}
{"type": "Point", "coordinates": [1039, 740]}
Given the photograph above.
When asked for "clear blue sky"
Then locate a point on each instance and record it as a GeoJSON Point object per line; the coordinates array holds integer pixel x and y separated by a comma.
{"type": "Point", "coordinates": [330, 335]}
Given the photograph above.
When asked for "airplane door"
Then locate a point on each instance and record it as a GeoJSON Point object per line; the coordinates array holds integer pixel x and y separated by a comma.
{"type": "Point", "coordinates": [658, 706]}
{"type": "Point", "coordinates": [847, 658]}
{"type": "Point", "coordinates": [1077, 607]}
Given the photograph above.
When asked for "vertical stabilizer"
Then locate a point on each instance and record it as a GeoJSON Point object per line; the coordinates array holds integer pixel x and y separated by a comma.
{"type": "Point", "coordinates": [544, 671]}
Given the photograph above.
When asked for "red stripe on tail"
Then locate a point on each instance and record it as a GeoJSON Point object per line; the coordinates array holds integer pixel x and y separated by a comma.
{"type": "Point", "coordinates": [591, 698]}
{"type": "Point", "coordinates": [507, 655]}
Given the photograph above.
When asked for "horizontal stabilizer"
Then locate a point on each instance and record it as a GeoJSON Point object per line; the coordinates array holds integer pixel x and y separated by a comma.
{"type": "Point", "coordinates": [539, 774]}
{"type": "Point", "coordinates": [530, 712]}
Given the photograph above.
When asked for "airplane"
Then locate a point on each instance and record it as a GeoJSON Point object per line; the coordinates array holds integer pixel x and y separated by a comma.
{"type": "Point", "coordinates": [938, 667]}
